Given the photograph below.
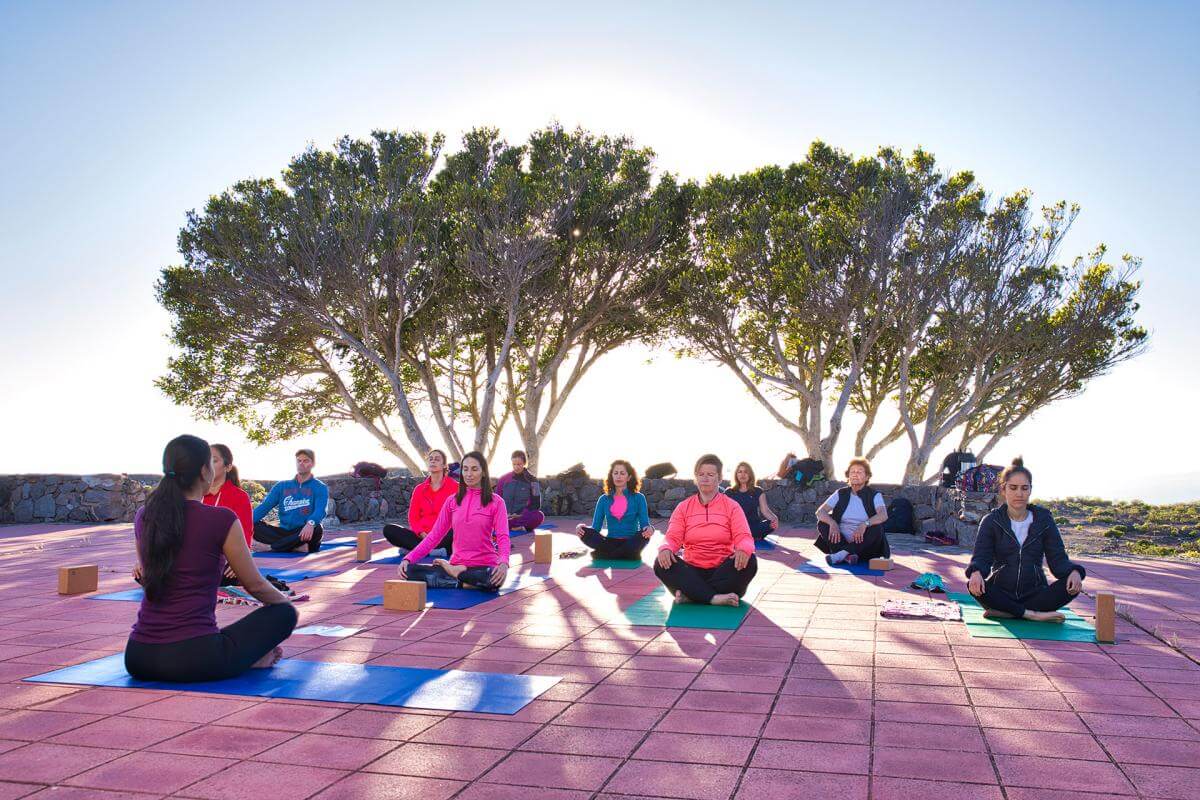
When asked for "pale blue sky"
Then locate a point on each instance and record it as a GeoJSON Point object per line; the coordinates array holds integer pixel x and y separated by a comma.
{"type": "Point", "coordinates": [117, 118]}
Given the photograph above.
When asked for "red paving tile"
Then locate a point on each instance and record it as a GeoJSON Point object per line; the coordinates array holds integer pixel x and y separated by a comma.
{"type": "Point", "coordinates": [811, 692]}
{"type": "Point", "coordinates": [253, 779]}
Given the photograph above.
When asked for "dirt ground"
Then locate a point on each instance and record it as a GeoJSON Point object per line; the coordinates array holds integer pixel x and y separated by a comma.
{"type": "Point", "coordinates": [1092, 525]}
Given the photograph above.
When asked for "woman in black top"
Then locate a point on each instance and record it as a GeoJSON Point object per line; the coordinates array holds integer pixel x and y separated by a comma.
{"type": "Point", "coordinates": [1005, 572]}
{"type": "Point", "coordinates": [746, 492]}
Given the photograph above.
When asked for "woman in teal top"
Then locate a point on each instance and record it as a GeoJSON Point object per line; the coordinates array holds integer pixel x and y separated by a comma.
{"type": "Point", "coordinates": [622, 510]}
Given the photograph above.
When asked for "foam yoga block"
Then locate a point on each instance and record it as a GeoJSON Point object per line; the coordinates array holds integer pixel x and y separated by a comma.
{"type": "Point", "coordinates": [407, 687]}
{"type": "Point", "coordinates": [1106, 617]}
{"type": "Point", "coordinates": [366, 545]}
{"type": "Point", "coordinates": [1075, 629]}
{"type": "Point", "coordinates": [459, 599]}
{"type": "Point", "coordinates": [543, 547]}
{"type": "Point", "coordinates": [404, 595]}
{"type": "Point", "coordinates": [883, 564]}
{"type": "Point", "coordinates": [78, 580]}
{"type": "Point", "coordinates": [820, 567]}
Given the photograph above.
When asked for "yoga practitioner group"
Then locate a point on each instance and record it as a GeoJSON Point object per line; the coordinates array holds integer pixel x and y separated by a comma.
{"type": "Point", "coordinates": [197, 528]}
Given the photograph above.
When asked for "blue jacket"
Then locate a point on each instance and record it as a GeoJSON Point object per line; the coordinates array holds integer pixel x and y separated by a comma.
{"type": "Point", "coordinates": [298, 503]}
{"type": "Point", "coordinates": [1018, 568]}
{"type": "Point", "coordinates": [636, 517]}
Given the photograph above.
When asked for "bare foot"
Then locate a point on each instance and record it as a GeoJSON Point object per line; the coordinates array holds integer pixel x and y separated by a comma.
{"type": "Point", "coordinates": [730, 599]}
{"type": "Point", "coordinates": [1045, 616]}
{"type": "Point", "coordinates": [993, 614]}
{"type": "Point", "coordinates": [680, 597]}
{"type": "Point", "coordinates": [269, 660]}
{"type": "Point", "coordinates": [451, 570]}
{"type": "Point", "coordinates": [258, 546]}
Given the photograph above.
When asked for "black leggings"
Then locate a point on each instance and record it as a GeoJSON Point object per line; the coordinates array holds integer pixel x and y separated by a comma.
{"type": "Point", "coordinates": [760, 528]}
{"type": "Point", "coordinates": [873, 545]}
{"type": "Point", "coordinates": [701, 583]}
{"type": "Point", "coordinates": [1048, 598]}
{"type": "Point", "coordinates": [408, 539]}
{"type": "Point", "coordinates": [221, 655]}
{"type": "Point", "coordinates": [282, 540]}
{"type": "Point", "coordinates": [625, 548]}
{"type": "Point", "coordinates": [437, 578]}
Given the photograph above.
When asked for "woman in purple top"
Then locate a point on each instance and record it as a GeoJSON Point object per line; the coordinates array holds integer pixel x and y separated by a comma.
{"type": "Point", "coordinates": [182, 548]}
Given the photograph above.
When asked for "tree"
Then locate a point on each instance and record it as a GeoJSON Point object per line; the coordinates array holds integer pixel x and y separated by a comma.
{"type": "Point", "coordinates": [792, 281]}
{"type": "Point", "coordinates": [299, 305]}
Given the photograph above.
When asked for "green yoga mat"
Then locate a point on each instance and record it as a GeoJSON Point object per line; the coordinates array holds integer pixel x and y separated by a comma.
{"type": "Point", "coordinates": [1075, 629]}
{"type": "Point", "coordinates": [614, 563]}
{"type": "Point", "coordinates": [659, 609]}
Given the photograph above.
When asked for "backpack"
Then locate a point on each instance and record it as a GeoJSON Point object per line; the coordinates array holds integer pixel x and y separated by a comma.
{"type": "Point", "coordinates": [953, 466]}
{"type": "Point", "coordinates": [983, 478]}
{"type": "Point", "coordinates": [656, 471]}
{"type": "Point", "coordinates": [367, 469]}
{"type": "Point", "coordinates": [807, 471]}
{"type": "Point", "coordinates": [901, 518]}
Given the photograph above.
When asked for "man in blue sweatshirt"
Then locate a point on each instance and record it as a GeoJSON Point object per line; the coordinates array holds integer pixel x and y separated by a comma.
{"type": "Point", "coordinates": [301, 503]}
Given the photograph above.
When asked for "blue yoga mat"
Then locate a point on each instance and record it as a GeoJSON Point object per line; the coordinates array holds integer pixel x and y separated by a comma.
{"type": "Point", "coordinates": [547, 526]}
{"type": "Point", "coordinates": [288, 575]}
{"type": "Point", "coordinates": [822, 568]}
{"type": "Point", "coordinates": [336, 543]}
{"type": "Point", "coordinates": [441, 551]}
{"type": "Point", "coordinates": [408, 687]}
{"type": "Point", "coordinates": [765, 544]}
{"type": "Point", "coordinates": [331, 631]}
{"type": "Point", "coordinates": [459, 599]}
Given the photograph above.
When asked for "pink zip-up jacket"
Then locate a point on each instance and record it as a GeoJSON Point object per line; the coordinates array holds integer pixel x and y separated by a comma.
{"type": "Point", "coordinates": [473, 524]}
{"type": "Point", "coordinates": [709, 533]}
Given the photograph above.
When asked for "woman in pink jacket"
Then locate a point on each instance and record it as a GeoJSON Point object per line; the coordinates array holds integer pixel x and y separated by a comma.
{"type": "Point", "coordinates": [481, 546]}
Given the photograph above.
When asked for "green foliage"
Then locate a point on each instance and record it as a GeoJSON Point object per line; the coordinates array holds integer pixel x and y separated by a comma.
{"type": "Point", "coordinates": [256, 491]}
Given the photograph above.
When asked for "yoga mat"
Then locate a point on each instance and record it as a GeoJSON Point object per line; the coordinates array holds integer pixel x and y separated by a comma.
{"type": "Point", "coordinates": [659, 609]}
{"type": "Point", "coordinates": [407, 687]}
{"type": "Point", "coordinates": [332, 631]}
{"type": "Point", "coordinates": [765, 544]}
{"type": "Point", "coordinates": [1075, 629]}
{"type": "Point", "coordinates": [288, 575]}
{"type": "Point", "coordinates": [460, 599]}
{"type": "Point", "coordinates": [614, 563]}
{"type": "Point", "coordinates": [823, 568]}
{"type": "Point", "coordinates": [547, 526]}
{"type": "Point", "coordinates": [330, 545]}
{"type": "Point", "coordinates": [437, 552]}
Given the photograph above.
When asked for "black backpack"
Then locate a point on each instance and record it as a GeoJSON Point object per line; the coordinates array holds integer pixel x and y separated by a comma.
{"type": "Point", "coordinates": [901, 518]}
{"type": "Point", "coordinates": [952, 466]}
{"type": "Point", "coordinates": [807, 471]}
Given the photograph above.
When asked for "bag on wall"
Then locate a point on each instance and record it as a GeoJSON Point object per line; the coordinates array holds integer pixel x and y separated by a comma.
{"type": "Point", "coordinates": [368, 469]}
{"type": "Point", "coordinates": [983, 478]}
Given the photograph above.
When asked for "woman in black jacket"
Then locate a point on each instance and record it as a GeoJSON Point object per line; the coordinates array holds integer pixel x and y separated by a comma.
{"type": "Point", "coordinates": [1005, 572]}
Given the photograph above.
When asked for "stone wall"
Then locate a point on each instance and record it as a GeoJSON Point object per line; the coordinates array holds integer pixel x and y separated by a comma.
{"type": "Point", "coordinates": [70, 498]}
{"type": "Point", "coordinates": [115, 498]}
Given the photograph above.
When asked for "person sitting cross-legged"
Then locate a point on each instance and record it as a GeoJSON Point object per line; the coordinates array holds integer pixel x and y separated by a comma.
{"type": "Point", "coordinates": [753, 500]}
{"type": "Point", "coordinates": [481, 544]}
{"type": "Point", "coordinates": [301, 503]}
{"type": "Point", "coordinates": [846, 531]}
{"type": "Point", "coordinates": [424, 506]}
{"type": "Point", "coordinates": [522, 495]}
{"type": "Point", "coordinates": [622, 510]}
{"type": "Point", "coordinates": [718, 560]}
{"type": "Point", "coordinates": [1005, 573]}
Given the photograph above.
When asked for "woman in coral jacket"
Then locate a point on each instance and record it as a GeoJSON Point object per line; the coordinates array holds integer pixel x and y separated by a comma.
{"type": "Point", "coordinates": [424, 506]}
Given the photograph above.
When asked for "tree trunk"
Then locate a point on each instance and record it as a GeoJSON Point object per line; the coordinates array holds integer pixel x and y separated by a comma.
{"type": "Point", "coordinates": [918, 462]}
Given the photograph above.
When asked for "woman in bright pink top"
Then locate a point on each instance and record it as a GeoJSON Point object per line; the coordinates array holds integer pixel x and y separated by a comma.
{"type": "Point", "coordinates": [481, 546]}
{"type": "Point", "coordinates": [424, 506]}
{"type": "Point", "coordinates": [718, 559]}
{"type": "Point", "coordinates": [226, 490]}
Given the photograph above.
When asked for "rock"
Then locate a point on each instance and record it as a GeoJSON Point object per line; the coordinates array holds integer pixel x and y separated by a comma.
{"type": "Point", "coordinates": [924, 511]}
{"type": "Point", "coordinates": [330, 521]}
{"type": "Point", "coordinates": [23, 511]}
{"type": "Point", "coordinates": [930, 526]}
{"type": "Point", "coordinates": [43, 507]}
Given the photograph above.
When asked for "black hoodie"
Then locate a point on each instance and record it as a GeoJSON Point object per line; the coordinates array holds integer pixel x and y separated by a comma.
{"type": "Point", "coordinates": [1018, 568]}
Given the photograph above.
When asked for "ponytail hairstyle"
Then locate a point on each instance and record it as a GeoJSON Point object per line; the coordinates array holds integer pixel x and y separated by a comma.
{"type": "Point", "coordinates": [231, 472]}
{"type": "Point", "coordinates": [164, 515]}
{"type": "Point", "coordinates": [485, 480]}
{"type": "Point", "coordinates": [1017, 466]}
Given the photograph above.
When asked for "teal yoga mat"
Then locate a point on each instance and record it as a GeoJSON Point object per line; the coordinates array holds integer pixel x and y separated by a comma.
{"type": "Point", "coordinates": [659, 609]}
{"type": "Point", "coordinates": [408, 687]}
{"type": "Point", "coordinates": [614, 563]}
{"type": "Point", "coordinates": [1075, 629]}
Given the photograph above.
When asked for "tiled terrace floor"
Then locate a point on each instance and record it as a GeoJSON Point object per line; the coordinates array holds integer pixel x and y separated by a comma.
{"type": "Point", "coordinates": [814, 696]}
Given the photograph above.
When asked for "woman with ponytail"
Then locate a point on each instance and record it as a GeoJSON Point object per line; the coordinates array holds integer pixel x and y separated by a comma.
{"type": "Point", "coordinates": [182, 548]}
{"type": "Point", "coordinates": [1005, 573]}
{"type": "Point", "coordinates": [226, 490]}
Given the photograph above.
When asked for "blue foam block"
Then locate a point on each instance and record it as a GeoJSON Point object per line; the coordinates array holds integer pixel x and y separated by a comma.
{"type": "Point", "coordinates": [459, 599]}
{"type": "Point", "coordinates": [407, 687]}
{"type": "Point", "coordinates": [822, 568]}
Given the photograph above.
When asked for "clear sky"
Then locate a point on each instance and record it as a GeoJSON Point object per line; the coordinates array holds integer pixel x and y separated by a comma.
{"type": "Point", "coordinates": [117, 118]}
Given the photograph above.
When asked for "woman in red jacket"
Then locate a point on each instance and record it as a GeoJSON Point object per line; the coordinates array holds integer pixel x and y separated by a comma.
{"type": "Point", "coordinates": [424, 506]}
{"type": "Point", "coordinates": [226, 492]}
{"type": "Point", "coordinates": [711, 530]}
